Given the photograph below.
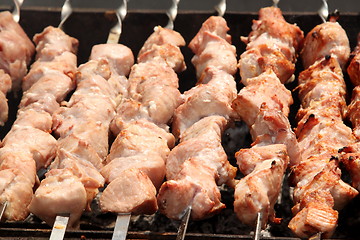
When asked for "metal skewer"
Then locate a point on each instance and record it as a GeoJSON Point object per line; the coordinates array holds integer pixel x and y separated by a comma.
{"type": "Point", "coordinates": [66, 11]}
{"type": "Point", "coordinates": [58, 230]}
{"type": "Point", "coordinates": [316, 236]}
{"type": "Point", "coordinates": [122, 219]}
{"type": "Point", "coordinates": [275, 3]}
{"type": "Point", "coordinates": [172, 13]}
{"type": "Point", "coordinates": [183, 225]}
{"type": "Point", "coordinates": [221, 8]}
{"type": "Point", "coordinates": [2, 209]}
{"type": "Point", "coordinates": [16, 11]}
{"type": "Point", "coordinates": [61, 220]}
{"type": "Point", "coordinates": [115, 32]}
{"type": "Point", "coordinates": [257, 234]}
{"type": "Point", "coordinates": [324, 11]}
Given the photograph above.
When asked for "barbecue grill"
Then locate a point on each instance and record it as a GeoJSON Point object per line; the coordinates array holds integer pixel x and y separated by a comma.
{"type": "Point", "coordinates": [91, 27]}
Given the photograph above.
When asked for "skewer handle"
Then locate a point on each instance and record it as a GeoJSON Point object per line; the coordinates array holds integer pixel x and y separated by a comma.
{"type": "Point", "coordinates": [59, 228]}
{"type": "Point", "coordinates": [121, 226]}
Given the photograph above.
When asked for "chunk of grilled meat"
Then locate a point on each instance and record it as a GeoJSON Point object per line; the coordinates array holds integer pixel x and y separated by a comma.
{"type": "Point", "coordinates": [272, 44]}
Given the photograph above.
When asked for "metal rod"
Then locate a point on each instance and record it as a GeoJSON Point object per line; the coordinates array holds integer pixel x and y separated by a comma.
{"type": "Point", "coordinates": [115, 32]}
{"type": "Point", "coordinates": [317, 236]}
{"type": "Point", "coordinates": [183, 225]}
{"type": "Point", "coordinates": [16, 11]}
{"type": "Point", "coordinates": [66, 11]}
{"type": "Point", "coordinates": [172, 13]}
{"type": "Point", "coordinates": [275, 3]}
{"type": "Point", "coordinates": [221, 8]}
{"type": "Point", "coordinates": [2, 209]}
{"type": "Point", "coordinates": [59, 228]}
{"type": "Point", "coordinates": [121, 226]}
{"type": "Point", "coordinates": [324, 11]}
{"type": "Point", "coordinates": [257, 234]}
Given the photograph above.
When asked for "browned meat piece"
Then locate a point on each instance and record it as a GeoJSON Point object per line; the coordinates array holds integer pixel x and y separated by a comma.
{"type": "Point", "coordinates": [266, 88]}
{"type": "Point", "coordinates": [16, 49]}
{"type": "Point", "coordinates": [65, 63]}
{"type": "Point", "coordinates": [353, 112]}
{"type": "Point", "coordinates": [119, 57]}
{"type": "Point", "coordinates": [354, 66]}
{"type": "Point", "coordinates": [351, 159]}
{"type": "Point", "coordinates": [53, 42]}
{"type": "Point", "coordinates": [163, 45]}
{"type": "Point", "coordinates": [217, 53]}
{"type": "Point", "coordinates": [258, 191]}
{"type": "Point", "coordinates": [206, 100]}
{"type": "Point", "coordinates": [214, 25]}
{"type": "Point", "coordinates": [272, 44]}
{"type": "Point", "coordinates": [272, 22]}
{"type": "Point", "coordinates": [122, 195]}
{"type": "Point", "coordinates": [14, 185]}
{"type": "Point", "coordinates": [61, 192]}
{"type": "Point", "coordinates": [317, 217]}
{"type": "Point", "coordinates": [162, 36]}
{"type": "Point", "coordinates": [248, 158]}
{"type": "Point", "coordinates": [212, 48]}
{"type": "Point", "coordinates": [325, 39]}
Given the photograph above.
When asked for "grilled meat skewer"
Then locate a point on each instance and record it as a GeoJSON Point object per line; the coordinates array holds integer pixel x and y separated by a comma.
{"type": "Point", "coordinates": [263, 104]}
{"type": "Point", "coordinates": [319, 191]}
{"type": "Point", "coordinates": [198, 164]}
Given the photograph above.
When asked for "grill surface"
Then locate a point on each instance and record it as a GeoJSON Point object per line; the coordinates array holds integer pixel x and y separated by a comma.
{"type": "Point", "coordinates": [92, 27]}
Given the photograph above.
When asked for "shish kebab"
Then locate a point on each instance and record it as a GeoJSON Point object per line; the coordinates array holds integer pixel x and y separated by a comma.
{"type": "Point", "coordinates": [319, 191]}
{"type": "Point", "coordinates": [48, 82]}
{"type": "Point", "coordinates": [350, 155]}
{"type": "Point", "coordinates": [15, 56]}
{"type": "Point", "coordinates": [82, 128]}
{"type": "Point", "coordinates": [198, 164]}
{"type": "Point", "coordinates": [135, 167]}
{"type": "Point", "coordinates": [268, 62]}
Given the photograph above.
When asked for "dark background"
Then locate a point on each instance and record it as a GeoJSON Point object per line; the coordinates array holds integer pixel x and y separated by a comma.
{"type": "Point", "coordinates": [232, 5]}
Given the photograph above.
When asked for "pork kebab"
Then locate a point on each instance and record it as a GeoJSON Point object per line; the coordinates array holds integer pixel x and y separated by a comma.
{"type": "Point", "coordinates": [48, 82]}
{"type": "Point", "coordinates": [198, 164]}
{"type": "Point", "coordinates": [263, 104]}
{"type": "Point", "coordinates": [135, 167]}
{"type": "Point", "coordinates": [82, 128]}
{"type": "Point", "coordinates": [15, 56]}
{"type": "Point", "coordinates": [319, 191]}
{"type": "Point", "coordinates": [350, 155]}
